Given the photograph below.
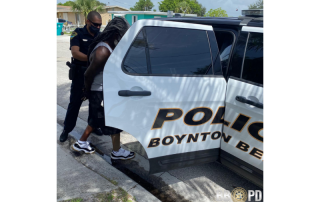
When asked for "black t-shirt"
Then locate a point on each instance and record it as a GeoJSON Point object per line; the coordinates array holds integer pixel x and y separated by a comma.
{"type": "Point", "coordinates": [82, 38]}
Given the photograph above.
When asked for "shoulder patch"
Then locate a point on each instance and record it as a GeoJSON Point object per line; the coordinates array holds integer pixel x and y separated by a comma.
{"type": "Point", "coordinates": [73, 34]}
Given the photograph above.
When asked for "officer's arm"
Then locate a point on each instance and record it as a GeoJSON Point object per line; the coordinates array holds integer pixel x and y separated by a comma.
{"type": "Point", "coordinates": [75, 41]}
{"type": "Point", "coordinates": [75, 51]}
{"type": "Point", "coordinates": [100, 57]}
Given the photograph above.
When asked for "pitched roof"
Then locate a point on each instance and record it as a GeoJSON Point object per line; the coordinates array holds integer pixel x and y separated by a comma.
{"type": "Point", "coordinates": [64, 8]}
{"type": "Point", "coordinates": [117, 7]}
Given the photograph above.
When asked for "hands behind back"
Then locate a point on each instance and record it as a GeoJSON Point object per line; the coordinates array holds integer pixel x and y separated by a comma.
{"type": "Point", "coordinates": [85, 94]}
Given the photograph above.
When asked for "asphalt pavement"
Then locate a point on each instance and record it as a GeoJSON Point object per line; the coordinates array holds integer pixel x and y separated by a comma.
{"type": "Point", "coordinates": [195, 183]}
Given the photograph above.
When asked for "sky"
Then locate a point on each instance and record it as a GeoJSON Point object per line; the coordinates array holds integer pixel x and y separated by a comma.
{"type": "Point", "coordinates": [229, 5]}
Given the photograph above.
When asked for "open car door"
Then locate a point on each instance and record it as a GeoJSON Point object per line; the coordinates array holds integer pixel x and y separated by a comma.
{"type": "Point", "coordinates": [163, 84]}
{"type": "Point", "coordinates": [242, 145]}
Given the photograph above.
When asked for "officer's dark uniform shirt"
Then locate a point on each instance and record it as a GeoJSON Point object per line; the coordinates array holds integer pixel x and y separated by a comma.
{"type": "Point", "coordinates": [82, 38]}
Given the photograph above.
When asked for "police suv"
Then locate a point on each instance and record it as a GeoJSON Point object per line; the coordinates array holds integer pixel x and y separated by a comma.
{"type": "Point", "coordinates": [190, 90]}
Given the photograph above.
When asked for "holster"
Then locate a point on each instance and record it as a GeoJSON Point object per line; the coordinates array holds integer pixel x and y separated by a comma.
{"type": "Point", "coordinates": [72, 69]}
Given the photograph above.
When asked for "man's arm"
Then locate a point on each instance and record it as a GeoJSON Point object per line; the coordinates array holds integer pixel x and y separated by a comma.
{"type": "Point", "coordinates": [75, 46]}
{"type": "Point", "coordinates": [100, 57]}
{"type": "Point", "coordinates": [75, 51]}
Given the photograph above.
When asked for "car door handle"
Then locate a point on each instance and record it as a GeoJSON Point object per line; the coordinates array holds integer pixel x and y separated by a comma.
{"type": "Point", "coordinates": [249, 102]}
{"type": "Point", "coordinates": [127, 93]}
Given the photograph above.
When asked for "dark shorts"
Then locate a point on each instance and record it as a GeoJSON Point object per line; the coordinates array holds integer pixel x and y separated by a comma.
{"type": "Point", "coordinates": [96, 114]}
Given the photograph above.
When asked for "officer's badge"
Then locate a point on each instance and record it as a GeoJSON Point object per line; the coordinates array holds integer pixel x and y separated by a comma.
{"type": "Point", "coordinates": [73, 34]}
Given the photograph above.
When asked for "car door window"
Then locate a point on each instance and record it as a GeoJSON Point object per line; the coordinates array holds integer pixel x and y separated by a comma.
{"type": "Point", "coordinates": [253, 62]}
{"type": "Point", "coordinates": [225, 41]}
{"type": "Point", "coordinates": [172, 51]}
{"type": "Point", "coordinates": [136, 60]}
{"type": "Point", "coordinates": [178, 51]}
{"type": "Point", "coordinates": [237, 55]}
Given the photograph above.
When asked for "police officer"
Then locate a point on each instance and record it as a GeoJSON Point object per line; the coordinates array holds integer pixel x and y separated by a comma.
{"type": "Point", "coordinates": [80, 40]}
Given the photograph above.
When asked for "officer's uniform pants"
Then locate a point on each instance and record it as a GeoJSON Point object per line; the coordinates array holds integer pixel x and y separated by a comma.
{"type": "Point", "coordinates": [76, 94]}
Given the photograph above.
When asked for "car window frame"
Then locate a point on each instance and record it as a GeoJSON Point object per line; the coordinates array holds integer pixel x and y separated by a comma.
{"type": "Point", "coordinates": [125, 56]}
{"type": "Point", "coordinates": [242, 65]}
{"type": "Point", "coordinates": [168, 75]}
{"type": "Point", "coordinates": [234, 34]}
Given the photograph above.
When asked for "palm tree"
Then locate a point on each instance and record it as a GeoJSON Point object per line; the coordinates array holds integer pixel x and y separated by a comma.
{"type": "Point", "coordinates": [86, 6]}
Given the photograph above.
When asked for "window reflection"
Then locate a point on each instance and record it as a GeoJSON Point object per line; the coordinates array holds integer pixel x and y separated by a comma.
{"type": "Point", "coordinates": [253, 62]}
{"type": "Point", "coordinates": [178, 51]}
{"type": "Point", "coordinates": [135, 61]}
{"type": "Point", "coordinates": [225, 40]}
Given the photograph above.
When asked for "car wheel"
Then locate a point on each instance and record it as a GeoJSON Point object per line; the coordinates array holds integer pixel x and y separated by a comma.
{"type": "Point", "coordinates": [62, 33]}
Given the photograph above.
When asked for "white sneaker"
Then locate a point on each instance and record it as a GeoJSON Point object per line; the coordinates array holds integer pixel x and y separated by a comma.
{"type": "Point", "coordinates": [122, 154]}
{"type": "Point", "coordinates": [86, 147]}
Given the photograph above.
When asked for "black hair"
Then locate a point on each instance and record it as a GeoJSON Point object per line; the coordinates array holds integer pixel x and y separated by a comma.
{"type": "Point", "coordinates": [93, 14]}
{"type": "Point", "coordinates": [116, 27]}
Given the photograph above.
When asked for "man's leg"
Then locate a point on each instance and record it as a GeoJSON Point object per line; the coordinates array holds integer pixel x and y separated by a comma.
{"type": "Point", "coordinates": [86, 133]}
{"type": "Point", "coordinates": [76, 94]}
{"type": "Point", "coordinates": [118, 152]}
{"type": "Point", "coordinates": [82, 144]}
{"type": "Point", "coordinates": [116, 141]}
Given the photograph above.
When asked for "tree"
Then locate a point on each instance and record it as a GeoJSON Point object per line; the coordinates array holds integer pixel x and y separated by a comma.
{"type": "Point", "coordinates": [154, 10]}
{"type": "Point", "coordinates": [86, 6]}
{"type": "Point", "coordinates": [202, 10]}
{"type": "Point", "coordinates": [182, 6]}
{"type": "Point", "coordinates": [216, 13]}
{"type": "Point", "coordinates": [167, 5]}
{"type": "Point", "coordinates": [100, 3]}
{"type": "Point", "coordinates": [69, 3]}
{"type": "Point", "coordinates": [196, 8]}
{"type": "Point", "coordinates": [142, 5]}
{"type": "Point", "coordinates": [257, 5]}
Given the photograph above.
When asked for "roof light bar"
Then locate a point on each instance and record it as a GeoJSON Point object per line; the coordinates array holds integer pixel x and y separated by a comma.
{"type": "Point", "coordinates": [253, 12]}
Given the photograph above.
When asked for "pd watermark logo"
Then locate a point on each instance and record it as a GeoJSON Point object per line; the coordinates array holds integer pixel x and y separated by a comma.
{"type": "Point", "coordinates": [257, 194]}
{"type": "Point", "coordinates": [238, 194]}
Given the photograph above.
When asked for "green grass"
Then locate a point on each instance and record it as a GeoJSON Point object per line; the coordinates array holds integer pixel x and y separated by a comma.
{"type": "Point", "coordinates": [109, 197]}
{"type": "Point", "coordinates": [115, 196]}
{"type": "Point", "coordinates": [74, 200]}
{"type": "Point", "coordinates": [123, 195]}
{"type": "Point", "coordinates": [105, 197]}
{"type": "Point", "coordinates": [114, 182]}
{"type": "Point", "coordinates": [65, 33]}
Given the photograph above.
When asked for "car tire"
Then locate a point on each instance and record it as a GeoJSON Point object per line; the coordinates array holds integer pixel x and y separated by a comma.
{"type": "Point", "coordinates": [62, 33]}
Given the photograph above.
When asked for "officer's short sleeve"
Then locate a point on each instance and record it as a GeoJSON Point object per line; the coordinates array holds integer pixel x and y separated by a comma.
{"type": "Point", "coordinates": [74, 39]}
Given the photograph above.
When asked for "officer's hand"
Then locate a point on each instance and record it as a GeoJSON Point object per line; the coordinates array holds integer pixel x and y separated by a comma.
{"type": "Point", "coordinates": [85, 95]}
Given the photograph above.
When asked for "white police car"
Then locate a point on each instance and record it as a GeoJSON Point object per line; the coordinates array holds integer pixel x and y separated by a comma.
{"type": "Point", "coordinates": [190, 90]}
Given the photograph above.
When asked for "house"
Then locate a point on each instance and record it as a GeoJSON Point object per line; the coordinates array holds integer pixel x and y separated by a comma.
{"type": "Point", "coordinates": [133, 16]}
{"type": "Point", "coordinates": [66, 13]}
{"type": "Point", "coordinates": [106, 15]}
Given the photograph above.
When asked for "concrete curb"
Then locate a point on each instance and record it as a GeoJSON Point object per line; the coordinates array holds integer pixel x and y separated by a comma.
{"type": "Point", "coordinates": [74, 179]}
{"type": "Point", "coordinates": [179, 186]}
{"type": "Point", "coordinates": [96, 163]}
